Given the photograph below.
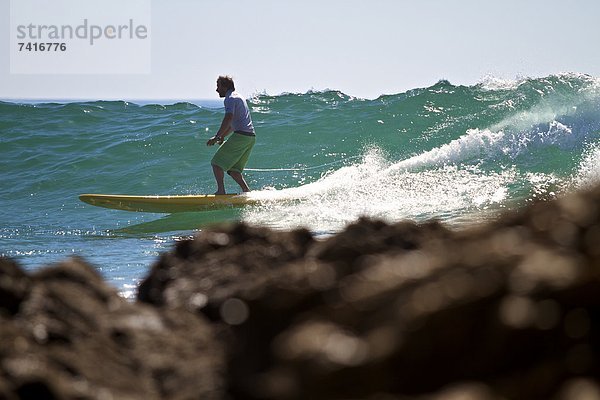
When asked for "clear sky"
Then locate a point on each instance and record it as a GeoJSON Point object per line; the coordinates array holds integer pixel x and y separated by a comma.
{"type": "Point", "coordinates": [363, 48]}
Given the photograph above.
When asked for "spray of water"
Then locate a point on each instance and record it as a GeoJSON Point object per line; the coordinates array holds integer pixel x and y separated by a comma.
{"type": "Point", "coordinates": [377, 188]}
{"type": "Point", "coordinates": [484, 169]}
{"type": "Point", "coordinates": [447, 182]}
{"type": "Point", "coordinates": [588, 173]}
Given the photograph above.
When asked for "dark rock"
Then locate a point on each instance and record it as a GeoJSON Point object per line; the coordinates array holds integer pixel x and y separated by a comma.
{"type": "Point", "coordinates": [505, 310]}
{"type": "Point", "coordinates": [14, 285]}
{"type": "Point", "coordinates": [74, 337]}
{"type": "Point", "coordinates": [217, 264]}
{"type": "Point", "coordinates": [404, 309]}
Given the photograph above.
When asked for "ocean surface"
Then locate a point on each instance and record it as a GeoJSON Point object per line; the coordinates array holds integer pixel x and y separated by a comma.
{"type": "Point", "coordinates": [460, 154]}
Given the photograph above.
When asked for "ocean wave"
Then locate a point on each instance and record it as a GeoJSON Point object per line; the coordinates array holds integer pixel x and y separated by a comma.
{"type": "Point", "coordinates": [318, 142]}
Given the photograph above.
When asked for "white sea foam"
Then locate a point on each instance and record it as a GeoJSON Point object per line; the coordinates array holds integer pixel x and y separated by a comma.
{"type": "Point", "coordinates": [475, 144]}
{"type": "Point", "coordinates": [491, 82]}
{"type": "Point", "coordinates": [373, 188]}
{"type": "Point", "coordinates": [446, 182]}
{"type": "Point", "coordinates": [588, 173]}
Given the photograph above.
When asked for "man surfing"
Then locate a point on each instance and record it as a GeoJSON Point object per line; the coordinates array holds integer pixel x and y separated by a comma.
{"type": "Point", "coordinates": [232, 156]}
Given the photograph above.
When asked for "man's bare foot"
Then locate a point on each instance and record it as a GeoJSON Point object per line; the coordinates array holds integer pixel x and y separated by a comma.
{"type": "Point", "coordinates": [217, 193]}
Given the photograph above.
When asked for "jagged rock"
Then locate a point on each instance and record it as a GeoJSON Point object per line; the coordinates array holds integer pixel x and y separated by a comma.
{"type": "Point", "coordinates": [14, 285]}
{"type": "Point", "coordinates": [506, 310]}
{"type": "Point", "coordinates": [402, 309]}
{"type": "Point", "coordinates": [70, 336]}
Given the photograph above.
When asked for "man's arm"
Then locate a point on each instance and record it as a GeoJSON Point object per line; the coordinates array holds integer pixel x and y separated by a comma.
{"type": "Point", "coordinates": [223, 131]}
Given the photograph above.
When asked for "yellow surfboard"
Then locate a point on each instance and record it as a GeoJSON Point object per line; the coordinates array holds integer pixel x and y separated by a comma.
{"type": "Point", "coordinates": [167, 204]}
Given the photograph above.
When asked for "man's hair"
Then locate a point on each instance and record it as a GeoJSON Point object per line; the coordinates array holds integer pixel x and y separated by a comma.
{"type": "Point", "coordinates": [226, 81]}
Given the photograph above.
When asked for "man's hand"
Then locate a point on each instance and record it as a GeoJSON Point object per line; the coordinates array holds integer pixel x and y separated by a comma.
{"type": "Point", "coordinates": [213, 140]}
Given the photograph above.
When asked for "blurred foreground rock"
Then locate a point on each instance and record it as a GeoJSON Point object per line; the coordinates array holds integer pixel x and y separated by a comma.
{"type": "Point", "coordinates": [65, 334]}
{"type": "Point", "coordinates": [509, 310]}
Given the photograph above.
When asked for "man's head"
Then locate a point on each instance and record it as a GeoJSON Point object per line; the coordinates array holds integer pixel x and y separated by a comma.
{"type": "Point", "coordinates": [224, 85]}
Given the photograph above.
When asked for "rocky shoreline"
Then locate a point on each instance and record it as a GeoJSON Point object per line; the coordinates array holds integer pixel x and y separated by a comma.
{"type": "Point", "coordinates": [508, 310]}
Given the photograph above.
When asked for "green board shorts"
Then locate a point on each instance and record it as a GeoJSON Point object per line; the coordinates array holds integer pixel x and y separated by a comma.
{"type": "Point", "coordinates": [234, 153]}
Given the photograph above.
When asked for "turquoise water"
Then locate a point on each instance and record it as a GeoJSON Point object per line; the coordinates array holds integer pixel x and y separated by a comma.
{"type": "Point", "coordinates": [323, 159]}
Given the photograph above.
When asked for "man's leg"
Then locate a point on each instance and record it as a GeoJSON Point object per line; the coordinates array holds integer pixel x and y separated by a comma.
{"type": "Point", "coordinates": [239, 178]}
{"type": "Point", "coordinates": [219, 175]}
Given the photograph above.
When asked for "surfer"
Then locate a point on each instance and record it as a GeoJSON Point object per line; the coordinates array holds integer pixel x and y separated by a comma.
{"type": "Point", "coordinates": [233, 155]}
